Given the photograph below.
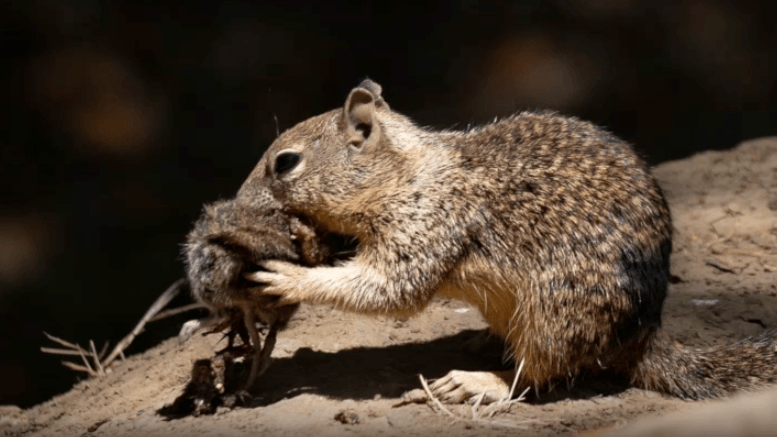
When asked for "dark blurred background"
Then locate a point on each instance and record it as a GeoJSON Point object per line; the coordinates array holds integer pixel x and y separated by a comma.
{"type": "Point", "coordinates": [121, 119]}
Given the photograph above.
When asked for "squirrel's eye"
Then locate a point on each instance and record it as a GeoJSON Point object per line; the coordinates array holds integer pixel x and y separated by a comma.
{"type": "Point", "coordinates": [285, 162]}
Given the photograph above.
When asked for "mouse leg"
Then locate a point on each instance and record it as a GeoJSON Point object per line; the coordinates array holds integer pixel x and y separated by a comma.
{"type": "Point", "coordinates": [250, 323]}
{"type": "Point", "coordinates": [269, 345]}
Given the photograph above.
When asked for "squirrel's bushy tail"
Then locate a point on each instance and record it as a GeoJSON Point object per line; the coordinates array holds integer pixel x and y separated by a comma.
{"type": "Point", "coordinates": [688, 373]}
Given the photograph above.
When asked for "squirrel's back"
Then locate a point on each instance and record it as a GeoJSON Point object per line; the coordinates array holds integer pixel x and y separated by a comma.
{"type": "Point", "coordinates": [568, 254]}
{"type": "Point", "coordinates": [588, 234]}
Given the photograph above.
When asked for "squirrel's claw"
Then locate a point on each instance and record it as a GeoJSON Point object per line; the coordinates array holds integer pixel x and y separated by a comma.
{"type": "Point", "coordinates": [281, 279]}
{"type": "Point", "coordinates": [268, 278]}
{"type": "Point", "coordinates": [283, 268]}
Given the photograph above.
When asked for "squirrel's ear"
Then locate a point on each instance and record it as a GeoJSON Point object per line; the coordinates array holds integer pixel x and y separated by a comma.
{"type": "Point", "coordinates": [361, 123]}
{"type": "Point", "coordinates": [376, 91]}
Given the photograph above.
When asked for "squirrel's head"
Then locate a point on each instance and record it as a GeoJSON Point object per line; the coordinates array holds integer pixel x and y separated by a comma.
{"type": "Point", "coordinates": [333, 165]}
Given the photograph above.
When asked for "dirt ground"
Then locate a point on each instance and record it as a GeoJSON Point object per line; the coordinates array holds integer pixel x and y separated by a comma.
{"type": "Point", "coordinates": [724, 262]}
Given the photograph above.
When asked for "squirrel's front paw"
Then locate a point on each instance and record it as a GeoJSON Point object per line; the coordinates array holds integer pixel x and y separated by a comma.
{"type": "Point", "coordinates": [281, 279]}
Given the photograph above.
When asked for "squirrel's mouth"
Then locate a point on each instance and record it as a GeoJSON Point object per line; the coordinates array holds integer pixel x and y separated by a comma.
{"type": "Point", "coordinates": [339, 246]}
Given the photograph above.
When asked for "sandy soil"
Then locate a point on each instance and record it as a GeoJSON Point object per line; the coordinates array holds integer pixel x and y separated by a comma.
{"type": "Point", "coordinates": [328, 362]}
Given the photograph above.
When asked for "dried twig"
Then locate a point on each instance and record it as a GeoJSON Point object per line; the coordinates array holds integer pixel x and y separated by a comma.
{"type": "Point", "coordinates": [67, 344]}
{"type": "Point", "coordinates": [96, 357]}
{"type": "Point", "coordinates": [157, 306]}
{"type": "Point", "coordinates": [57, 351]}
{"type": "Point", "coordinates": [70, 349]}
{"type": "Point", "coordinates": [79, 368]}
{"type": "Point", "coordinates": [515, 379]}
{"type": "Point", "coordinates": [175, 311]}
{"type": "Point", "coordinates": [86, 362]}
{"type": "Point", "coordinates": [478, 401]}
{"type": "Point", "coordinates": [103, 351]}
{"type": "Point", "coordinates": [99, 364]}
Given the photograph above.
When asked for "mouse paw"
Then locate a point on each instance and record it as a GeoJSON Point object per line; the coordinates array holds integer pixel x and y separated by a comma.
{"type": "Point", "coordinates": [189, 328]}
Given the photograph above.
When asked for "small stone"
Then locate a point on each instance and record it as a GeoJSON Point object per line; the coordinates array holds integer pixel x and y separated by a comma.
{"type": "Point", "coordinates": [347, 417]}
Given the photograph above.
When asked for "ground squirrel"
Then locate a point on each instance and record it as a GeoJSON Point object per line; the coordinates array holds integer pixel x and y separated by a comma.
{"type": "Point", "coordinates": [552, 227]}
{"type": "Point", "coordinates": [231, 237]}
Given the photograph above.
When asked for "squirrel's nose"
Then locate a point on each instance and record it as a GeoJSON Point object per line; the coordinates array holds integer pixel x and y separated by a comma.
{"type": "Point", "coordinates": [285, 162]}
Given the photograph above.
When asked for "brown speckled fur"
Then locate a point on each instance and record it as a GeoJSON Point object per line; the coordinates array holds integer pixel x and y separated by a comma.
{"type": "Point", "coordinates": [554, 228]}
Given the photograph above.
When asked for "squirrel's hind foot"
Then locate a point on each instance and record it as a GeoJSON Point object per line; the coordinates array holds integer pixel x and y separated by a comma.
{"type": "Point", "coordinates": [459, 386]}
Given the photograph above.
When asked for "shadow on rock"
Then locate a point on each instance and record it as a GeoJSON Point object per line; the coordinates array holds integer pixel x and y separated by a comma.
{"type": "Point", "coordinates": [389, 371]}
{"type": "Point", "coordinates": [366, 372]}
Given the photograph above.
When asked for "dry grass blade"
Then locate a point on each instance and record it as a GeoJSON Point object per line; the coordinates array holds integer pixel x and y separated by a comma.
{"type": "Point", "coordinates": [502, 405]}
{"type": "Point", "coordinates": [86, 362]}
{"type": "Point", "coordinates": [515, 380]}
{"type": "Point", "coordinates": [73, 349]}
{"type": "Point", "coordinates": [475, 414]}
{"type": "Point", "coordinates": [522, 396]}
{"type": "Point", "coordinates": [79, 368]}
{"type": "Point", "coordinates": [434, 399]}
{"type": "Point", "coordinates": [67, 344]}
{"type": "Point", "coordinates": [57, 351]}
{"type": "Point", "coordinates": [96, 358]}
{"type": "Point", "coordinates": [103, 351]}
